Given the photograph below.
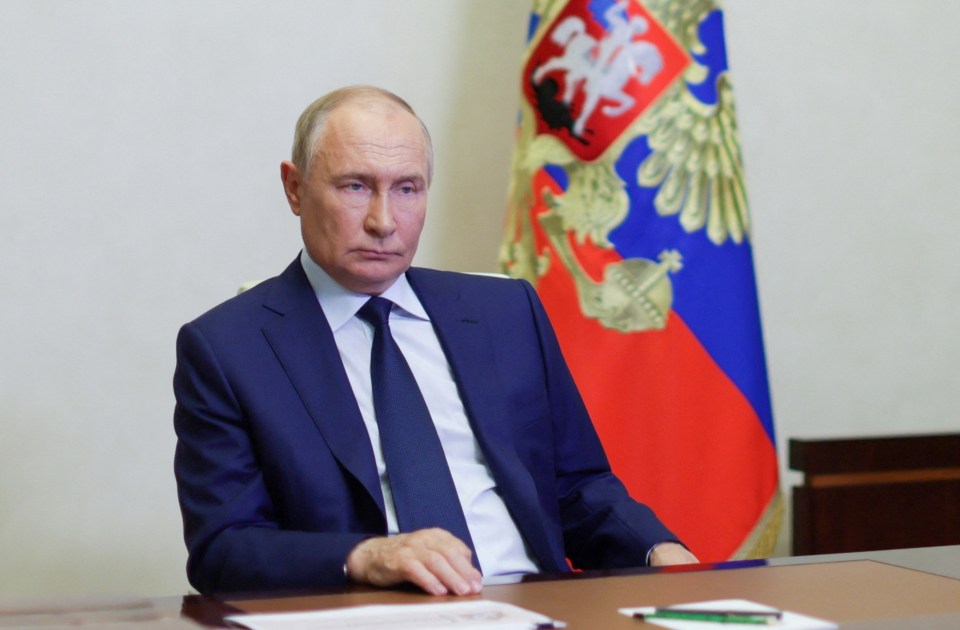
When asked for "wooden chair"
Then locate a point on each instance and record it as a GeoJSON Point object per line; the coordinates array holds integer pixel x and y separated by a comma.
{"type": "Point", "coordinates": [871, 493]}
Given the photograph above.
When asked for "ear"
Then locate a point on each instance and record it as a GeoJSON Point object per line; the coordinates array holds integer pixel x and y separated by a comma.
{"type": "Point", "coordinates": [292, 182]}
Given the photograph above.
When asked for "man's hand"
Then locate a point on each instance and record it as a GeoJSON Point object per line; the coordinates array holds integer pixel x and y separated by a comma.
{"type": "Point", "coordinates": [671, 553]}
{"type": "Point", "coordinates": [433, 559]}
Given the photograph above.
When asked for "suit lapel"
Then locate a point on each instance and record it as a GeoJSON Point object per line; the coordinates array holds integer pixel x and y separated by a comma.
{"type": "Point", "coordinates": [304, 344]}
{"type": "Point", "coordinates": [468, 345]}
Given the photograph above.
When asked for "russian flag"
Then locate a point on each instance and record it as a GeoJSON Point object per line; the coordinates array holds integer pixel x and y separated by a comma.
{"type": "Point", "coordinates": [629, 216]}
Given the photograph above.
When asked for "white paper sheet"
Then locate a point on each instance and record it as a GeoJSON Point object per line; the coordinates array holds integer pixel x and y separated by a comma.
{"type": "Point", "coordinates": [789, 621]}
{"type": "Point", "coordinates": [476, 615]}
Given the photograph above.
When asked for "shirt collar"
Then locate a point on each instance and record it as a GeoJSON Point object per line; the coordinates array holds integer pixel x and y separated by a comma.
{"type": "Point", "coordinates": [340, 304]}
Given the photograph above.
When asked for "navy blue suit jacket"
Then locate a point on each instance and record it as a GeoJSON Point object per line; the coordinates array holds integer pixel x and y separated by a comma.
{"type": "Point", "coordinates": [276, 476]}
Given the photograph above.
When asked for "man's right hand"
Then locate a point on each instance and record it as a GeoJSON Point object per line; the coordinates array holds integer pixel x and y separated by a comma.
{"type": "Point", "coordinates": [433, 559]}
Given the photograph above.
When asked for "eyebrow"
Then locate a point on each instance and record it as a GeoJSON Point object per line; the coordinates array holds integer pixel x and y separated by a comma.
{"type": "Point", "coordinates": [366, 177]}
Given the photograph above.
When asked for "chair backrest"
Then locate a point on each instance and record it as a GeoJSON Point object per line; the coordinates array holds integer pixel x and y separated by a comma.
{"type": "Point", "coordinates": [249, 284]}
{"type": "Point", "coordinates": [869, 493]}
{"type": "Point", "coordinates": [246, 286]}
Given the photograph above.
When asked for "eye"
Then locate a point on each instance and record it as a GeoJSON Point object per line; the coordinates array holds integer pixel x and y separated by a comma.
{"type": "Point", "coordinates": [408, 189]}
{"type": "Point", "coordinates": [354, 186]}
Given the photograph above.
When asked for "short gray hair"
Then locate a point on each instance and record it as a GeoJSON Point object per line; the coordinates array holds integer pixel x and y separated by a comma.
{"type": "Point", "coordinates": [313, 121]}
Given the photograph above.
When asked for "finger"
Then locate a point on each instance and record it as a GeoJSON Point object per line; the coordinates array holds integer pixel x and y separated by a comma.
{"type": "Point", "coordinates": [446, 561]}
{"type": "Point", "coordinates": [463, 565]}
{"type": "Point", "coordinates": [453, 571]}
{"type": "Point", "coordinates": [458, 555]}
{"type": "Point", "coordinates": [420, 575]}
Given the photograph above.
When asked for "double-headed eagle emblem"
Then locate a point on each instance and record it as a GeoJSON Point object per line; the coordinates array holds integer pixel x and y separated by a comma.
{"type": "Point", "coordinates": [599, 74]}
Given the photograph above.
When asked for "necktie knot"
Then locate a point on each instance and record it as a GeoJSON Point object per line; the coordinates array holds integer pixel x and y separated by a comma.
{"type": "Point", "coordinates": [376, 311]}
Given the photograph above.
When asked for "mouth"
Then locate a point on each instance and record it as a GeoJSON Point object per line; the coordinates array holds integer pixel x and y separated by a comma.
{"type": "Point", "coordinates": [375, 254]}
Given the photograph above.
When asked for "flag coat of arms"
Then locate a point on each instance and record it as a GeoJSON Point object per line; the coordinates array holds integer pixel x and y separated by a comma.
{"type": "Point", "coordinates": [628, 214]}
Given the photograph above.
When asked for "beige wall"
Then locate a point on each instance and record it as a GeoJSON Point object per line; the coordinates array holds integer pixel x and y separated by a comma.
{"type": "Point", "coordinates": [849, 122]}
{"type": "Point", "coordinates": [140, 186]}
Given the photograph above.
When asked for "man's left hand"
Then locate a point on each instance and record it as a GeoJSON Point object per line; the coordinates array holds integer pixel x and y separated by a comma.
{"type": "Point", "coordinates": [671, 553]}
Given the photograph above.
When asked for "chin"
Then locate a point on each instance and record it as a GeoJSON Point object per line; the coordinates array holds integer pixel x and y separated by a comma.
{"type": "Point", "coordinates": [373, 283]}
{"type": "Point", "coordinates": [372, 276]}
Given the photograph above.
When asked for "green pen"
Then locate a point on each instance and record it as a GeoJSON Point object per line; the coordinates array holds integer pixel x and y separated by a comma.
{"type": "Point", "coordinates": [712, 616]}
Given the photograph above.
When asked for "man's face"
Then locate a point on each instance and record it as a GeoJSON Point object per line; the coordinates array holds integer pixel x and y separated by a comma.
{"type": "Point", "coordinates": [363, 203]}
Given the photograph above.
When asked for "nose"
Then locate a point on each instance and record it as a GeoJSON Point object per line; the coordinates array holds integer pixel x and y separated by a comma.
{"type": "Point", "coordinates": [380, 220]}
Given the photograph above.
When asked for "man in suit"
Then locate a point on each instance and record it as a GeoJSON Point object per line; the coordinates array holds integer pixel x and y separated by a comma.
{"type": "Point", "coordinates": [281, 470]}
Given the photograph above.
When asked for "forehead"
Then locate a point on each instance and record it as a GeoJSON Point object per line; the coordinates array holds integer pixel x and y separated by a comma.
{"type": "Point", "coordinates": [373, 134]}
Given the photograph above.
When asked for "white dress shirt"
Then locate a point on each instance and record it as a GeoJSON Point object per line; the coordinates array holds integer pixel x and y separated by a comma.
{"type": "Point", "coordinates": [500, 547]}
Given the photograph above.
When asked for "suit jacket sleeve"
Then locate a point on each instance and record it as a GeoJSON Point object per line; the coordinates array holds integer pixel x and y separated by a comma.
{"type": "Point", "coordinates": [603, 527]}
{"type": "Point", "coordinates": [233, 531]}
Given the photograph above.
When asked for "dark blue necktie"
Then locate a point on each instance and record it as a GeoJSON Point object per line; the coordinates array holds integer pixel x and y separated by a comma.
{"type": "Point", "coordinates": [423, 490]}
